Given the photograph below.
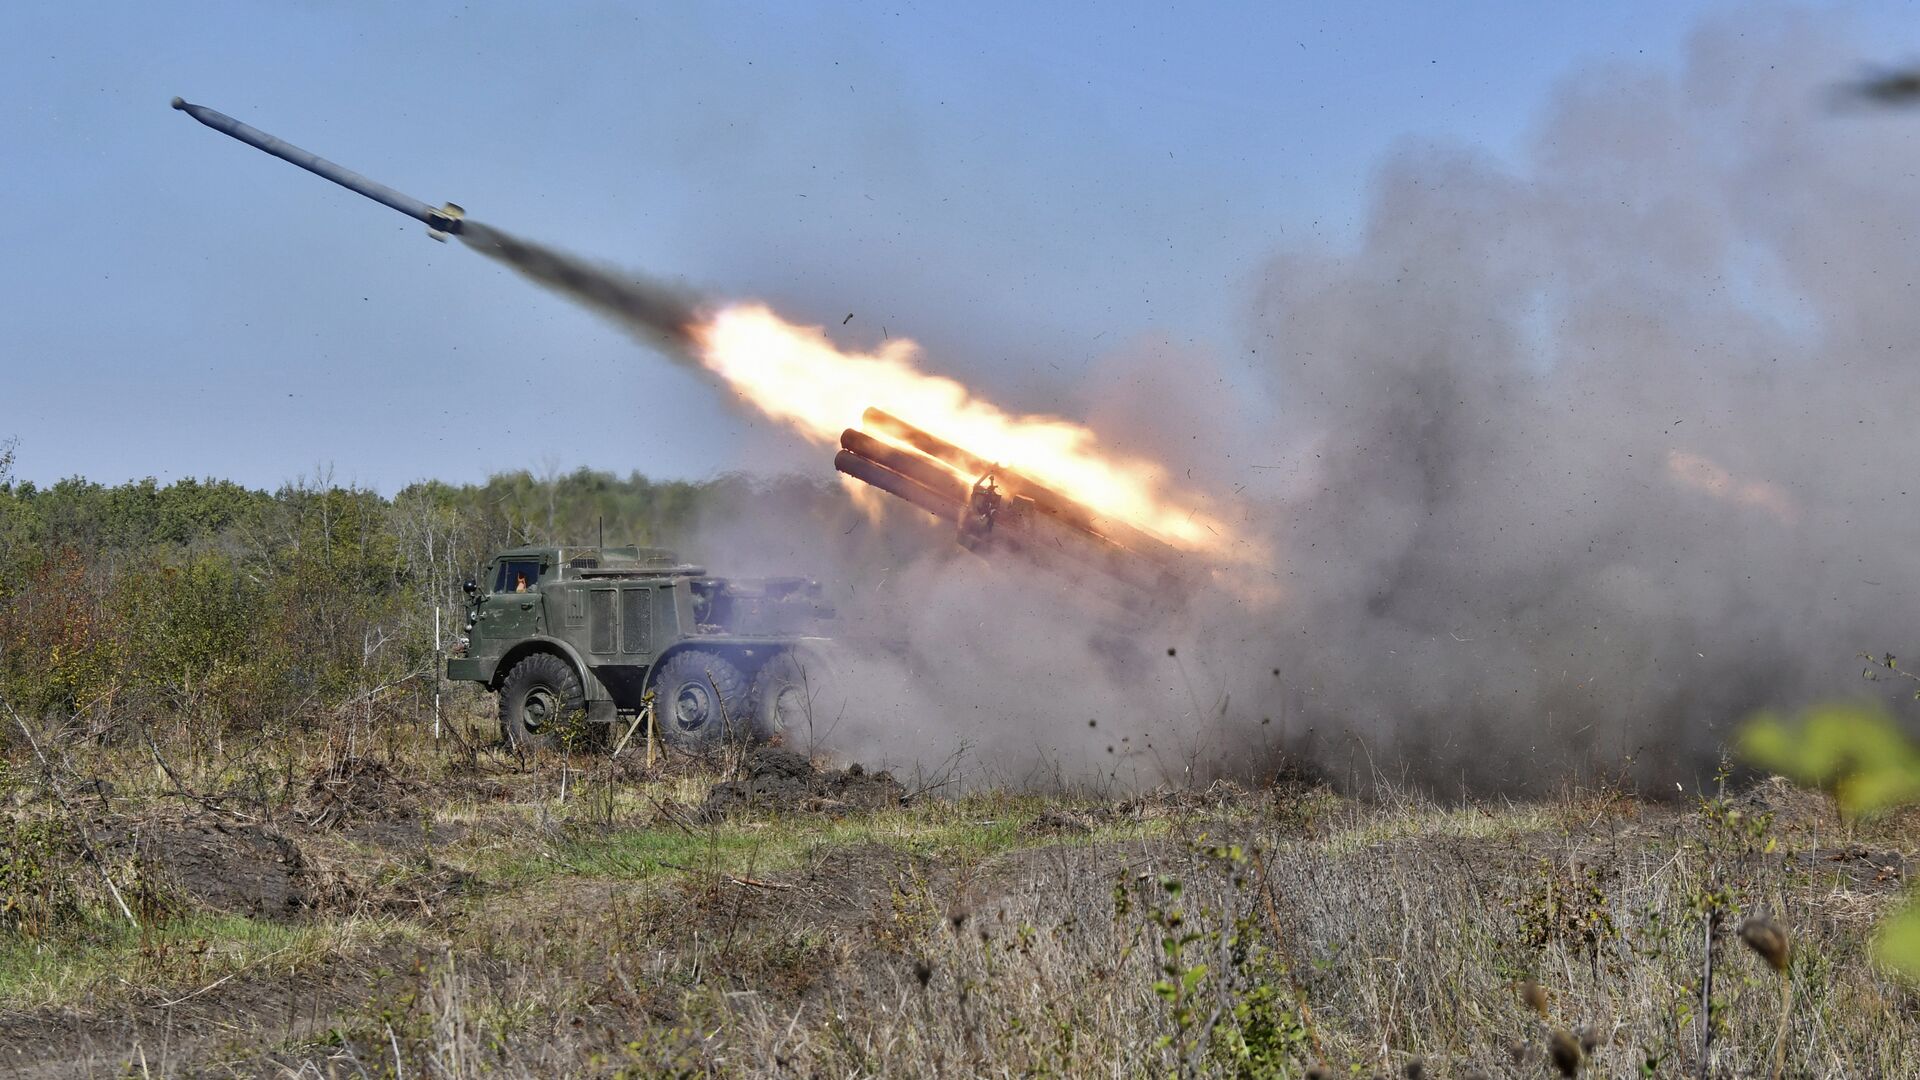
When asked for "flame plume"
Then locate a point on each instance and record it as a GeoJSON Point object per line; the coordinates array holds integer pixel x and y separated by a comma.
{"type": "Point", "coordinates": [796, 375]}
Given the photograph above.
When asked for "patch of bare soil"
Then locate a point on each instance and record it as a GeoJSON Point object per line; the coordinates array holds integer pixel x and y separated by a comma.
{"type": "Point", "coordinates": [781, 780]}
{"type": "Point", "coordinates": [1857, 868]}
{"type": "Point", "coordinates": [184, 1031]}
{"type": "Point", "coordinates": [355, 790]}
{"type": "Point", "coordinates": [212, 862]}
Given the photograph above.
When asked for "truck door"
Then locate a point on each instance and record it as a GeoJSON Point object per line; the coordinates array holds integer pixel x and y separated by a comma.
{"type": "Point", "coordinates": [512, 609]}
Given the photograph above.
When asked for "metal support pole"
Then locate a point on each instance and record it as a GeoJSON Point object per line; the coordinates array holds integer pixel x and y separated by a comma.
{"type": "Point", "coordinates": [437, 668]}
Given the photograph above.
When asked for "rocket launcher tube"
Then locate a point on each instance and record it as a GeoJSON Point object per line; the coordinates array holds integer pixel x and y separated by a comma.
{"type": "Point", "coordinates": [926, 442]}
{"type": "Point", "coordinates": [446, 220]}
{"type": "Point", "coordinates": [926, 498]}
{"type": "Point", "coordinates": [1019, 525]}
{"type": "Point", "coordinates": [975, 467]}
{"type": "Point", "coordinates": [1053, 540]}
{"type": "Point", "coordinates": [914, 466]}
{"type": "Point", "coordinates": [1045, 499]}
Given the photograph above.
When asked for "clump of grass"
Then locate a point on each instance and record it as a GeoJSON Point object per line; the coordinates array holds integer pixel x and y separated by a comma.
{"type": "Point", "coordinates": [186, 952]}
{"type": "Point", "coordinates": [41, 899]}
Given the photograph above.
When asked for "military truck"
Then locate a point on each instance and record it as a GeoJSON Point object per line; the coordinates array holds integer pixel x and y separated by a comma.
{"type": "Point", "coordinates": [571, 639]}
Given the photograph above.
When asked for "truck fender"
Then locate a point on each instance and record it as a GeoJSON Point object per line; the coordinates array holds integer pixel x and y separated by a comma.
{"type": "Point", "coordinates": [600, 706]}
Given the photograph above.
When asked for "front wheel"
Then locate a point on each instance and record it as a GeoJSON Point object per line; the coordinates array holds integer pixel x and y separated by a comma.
{"type": "Point", "coordinates": [540, 700]}
{"type": "Point", "coordinates": [700, 699]}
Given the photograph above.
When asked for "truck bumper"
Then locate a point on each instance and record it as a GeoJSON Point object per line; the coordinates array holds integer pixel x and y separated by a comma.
{"type": "Point", "coordinates": [471, 668]}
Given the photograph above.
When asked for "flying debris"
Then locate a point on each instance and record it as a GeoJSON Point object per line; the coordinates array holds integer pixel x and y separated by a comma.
{"type": "Point", "coordinates": [440, 221]}
{"type": "Point", "coordinates": [1889, 87]}
{"type": "Point", "coordinates": [995, 509]}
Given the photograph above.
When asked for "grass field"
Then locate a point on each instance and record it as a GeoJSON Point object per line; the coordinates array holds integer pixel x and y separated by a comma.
{"type": "Point", "coordinates": [427, 909]}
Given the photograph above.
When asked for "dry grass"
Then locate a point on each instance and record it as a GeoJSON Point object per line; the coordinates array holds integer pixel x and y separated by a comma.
{"type": "Point", "coordinates": [496, 917]}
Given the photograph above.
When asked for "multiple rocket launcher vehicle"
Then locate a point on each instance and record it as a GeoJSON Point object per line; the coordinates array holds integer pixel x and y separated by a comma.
{"type": "Point", "coordinates": [993, 508]}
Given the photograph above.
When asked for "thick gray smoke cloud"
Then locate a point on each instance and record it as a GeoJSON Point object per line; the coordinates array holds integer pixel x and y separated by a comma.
{"type": "Point", "coordinates": [1567, 466]}
{"type": "Point", "coordinates": [1607, 450]}
{"type": "Point", "coordinates": [1582, 460]}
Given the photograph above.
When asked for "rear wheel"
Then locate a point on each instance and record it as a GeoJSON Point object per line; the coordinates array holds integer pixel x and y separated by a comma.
{"type": "Point", "coordinates": [540, 701]}
{"type": "Point", "coordinates": [795, 696]}
{"type": "Point", "coordinates": [700, 700]}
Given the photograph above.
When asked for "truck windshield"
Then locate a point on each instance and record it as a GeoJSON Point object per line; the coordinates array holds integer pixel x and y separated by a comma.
{"type": "Point", "coordinates": [516, 575]}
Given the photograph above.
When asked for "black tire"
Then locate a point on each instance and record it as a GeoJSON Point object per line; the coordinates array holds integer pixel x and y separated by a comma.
{"type": "Point", "coordinates": [540, 698]}
{"type": "Point", "coordinates": [700, 700]}
{"type": "Point", "coordinates": [796, 695]}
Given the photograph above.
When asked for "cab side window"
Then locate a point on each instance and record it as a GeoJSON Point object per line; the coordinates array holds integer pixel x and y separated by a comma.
{"type": "Point", "coordinates": [516, 575]}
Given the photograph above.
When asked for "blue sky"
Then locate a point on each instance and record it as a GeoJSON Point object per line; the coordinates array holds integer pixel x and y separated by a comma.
{"type": "Point", "coordinates": [1027, 190]}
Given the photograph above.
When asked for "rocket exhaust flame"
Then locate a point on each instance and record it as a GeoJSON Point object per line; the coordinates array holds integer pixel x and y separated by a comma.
{"type": "Point", "coordinates": [796, 375]}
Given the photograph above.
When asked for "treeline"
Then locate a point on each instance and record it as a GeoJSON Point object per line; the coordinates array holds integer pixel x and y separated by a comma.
{"type": "Point", "coordinates": [209, 605]}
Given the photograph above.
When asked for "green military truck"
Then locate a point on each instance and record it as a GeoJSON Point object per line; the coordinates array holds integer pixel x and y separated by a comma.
{"type": "Point", "coordinates": [580, 636]}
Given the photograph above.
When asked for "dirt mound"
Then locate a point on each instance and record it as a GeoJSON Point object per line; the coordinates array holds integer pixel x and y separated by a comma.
{"type": "Point", "coordinates": [212, 862]}
{"type": "Point", "coordinates": [781, 780]}
{"type": "Point", "coordinates": [358, 789]}
{"type": "Point", "coordinates": [1791, 805]}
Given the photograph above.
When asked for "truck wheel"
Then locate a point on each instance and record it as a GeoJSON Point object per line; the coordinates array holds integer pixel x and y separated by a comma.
{"type": "Point", "coordinates": [700, 699]}
{"type": "Point", "coordinates": [541, 695]}
{"type": "Point", "coordinates": [795, 694]}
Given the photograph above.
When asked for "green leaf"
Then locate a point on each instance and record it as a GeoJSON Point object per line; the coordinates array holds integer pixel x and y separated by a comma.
{"type": "Point", "coordinates": [1856, 751]}
{"type": "Point", "coordinates": [1897, 945]}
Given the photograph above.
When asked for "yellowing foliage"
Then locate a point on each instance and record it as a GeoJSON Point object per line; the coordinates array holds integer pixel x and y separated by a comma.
{"type": "Point", "coordinates": [1860, 754]}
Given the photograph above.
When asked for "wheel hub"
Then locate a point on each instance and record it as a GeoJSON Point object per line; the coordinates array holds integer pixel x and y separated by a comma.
{"type": "Point", "coordinates": [540, 708]}
{"type": "Point", "coordinates": [692, 707]}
